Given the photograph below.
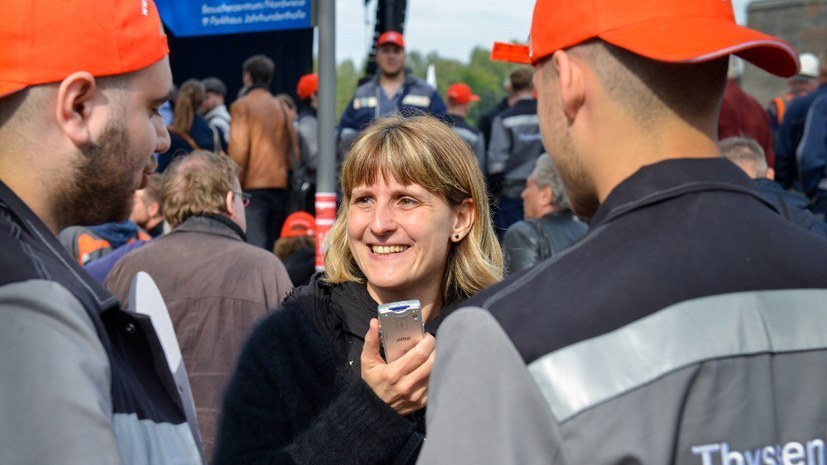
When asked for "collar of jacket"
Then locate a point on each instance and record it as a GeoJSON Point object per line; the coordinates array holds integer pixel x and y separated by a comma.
{"type": "Point", "coordinates": [212, 224]}
{"type": "Point", "coordinates": [673, 178]}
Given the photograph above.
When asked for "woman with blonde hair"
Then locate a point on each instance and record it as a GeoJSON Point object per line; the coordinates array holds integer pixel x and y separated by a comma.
{"type": "Point", "coordinates": [312, 386]}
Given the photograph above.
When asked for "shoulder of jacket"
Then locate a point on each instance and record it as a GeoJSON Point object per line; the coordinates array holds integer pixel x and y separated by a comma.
{"type": "Point", "coordinates": [18, 261]}
{"type": "Point", "coordinates": [527, 228]}
{"type": "Point", "coordinates": [366, 90]}
{"type": "Point", "coordinates": [420, 85]}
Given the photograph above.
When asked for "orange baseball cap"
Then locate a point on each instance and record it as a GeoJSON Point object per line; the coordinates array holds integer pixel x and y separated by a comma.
{"type": "Point", "coordinates": [391, 37]}
{"type": "Point", "coordinates": [460, 94]}
{"type": "Point", "coordinates": [299, 224]}
{"type": "Point", "coordinates": [678, 31]}
{"type": "Point", "coordinates": [307, 86]}
{"type": "Point", "coordinates": [47, 40]}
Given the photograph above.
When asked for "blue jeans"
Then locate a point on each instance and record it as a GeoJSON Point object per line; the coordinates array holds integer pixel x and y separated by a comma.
{"type": "Point", "coordinates": [265, 216]}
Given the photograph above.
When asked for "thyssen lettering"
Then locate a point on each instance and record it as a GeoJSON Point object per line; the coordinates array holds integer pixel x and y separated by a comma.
{"type": "Point", "coordinates": [791, 453]}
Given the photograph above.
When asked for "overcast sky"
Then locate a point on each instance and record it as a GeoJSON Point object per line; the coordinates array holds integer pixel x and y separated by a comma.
{"type": "Point", "coordinates": [451, 27]}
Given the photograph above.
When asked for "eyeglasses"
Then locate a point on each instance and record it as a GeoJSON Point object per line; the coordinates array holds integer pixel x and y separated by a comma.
{"type": "Point", "coordinates": [245, 198]}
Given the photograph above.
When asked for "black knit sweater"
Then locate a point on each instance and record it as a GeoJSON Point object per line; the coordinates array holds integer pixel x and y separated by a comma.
{"type": "Point", "coordinates": [296, 398]}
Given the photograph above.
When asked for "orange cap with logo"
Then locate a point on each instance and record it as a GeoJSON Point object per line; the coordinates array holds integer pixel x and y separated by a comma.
{"type": "Point", "coordinates": [47, 40]}
{"type": "Point", "coordinates": [678, 31]}
{"type": "Point", "coordinates": [391, 37]}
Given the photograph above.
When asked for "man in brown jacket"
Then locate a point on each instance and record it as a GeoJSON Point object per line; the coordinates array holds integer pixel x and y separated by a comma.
{"type": "Point", "coordinates": [262, 139]}
{"type": "Point", "coordinates": [214, 284]}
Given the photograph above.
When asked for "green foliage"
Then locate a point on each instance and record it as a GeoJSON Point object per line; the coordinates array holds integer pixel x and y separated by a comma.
{"type": "Point", "coordinates": [484, 76]}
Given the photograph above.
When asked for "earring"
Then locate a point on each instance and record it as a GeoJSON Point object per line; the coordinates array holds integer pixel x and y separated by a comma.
{"type": "Point", "coordinates": [456, 236]}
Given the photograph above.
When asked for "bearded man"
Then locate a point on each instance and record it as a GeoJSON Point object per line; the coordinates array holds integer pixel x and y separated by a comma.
{"type": "Point", "coordinates": [80, 90]}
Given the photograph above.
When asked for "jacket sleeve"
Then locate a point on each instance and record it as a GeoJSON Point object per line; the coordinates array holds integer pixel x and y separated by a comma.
{"type": "Point", "coordinates": [785, 164]}
{"type": "Point", "coordinates": [499, 148]}
{"type": "Point", "coordinates": [812, 150]}
{"type": "Point", "coordinates": [520, 247]}
{"type": "Point", "coordinates": [479, 151]}
{"type": "Point", "coordinates": [348, 128]}
{"type": "Point", "coordinates": [239, 146]}
{"type": "Point", "coordinates": [483, 405]}
{"type": "Point", "coordinates": [287, 404]}
{"type": "Point", "coordinates": [437, 106]}
{"type": "Point", "coordinates": [309, 132]}
{"type": "Point", "coordinates": [56, 397]}
{"type": "Point", "coordinates": [293, 154]}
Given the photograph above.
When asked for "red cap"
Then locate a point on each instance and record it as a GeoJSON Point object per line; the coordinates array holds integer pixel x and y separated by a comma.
{"type": "Point", "coordinates": [678, 31]}
{"type": "Point", "coordinates": [299, 224]}
{"type": "Point", "coordinates": [307, 86]}
{"type": "Point", "coordinates": [391, 37]}
{"type": "Point", "coordinates": [45, 41]}
{"type": "Point", "coordinates": [460, 93]}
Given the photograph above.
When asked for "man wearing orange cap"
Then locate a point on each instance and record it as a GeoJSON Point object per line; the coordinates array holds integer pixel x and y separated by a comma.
{"type": "Point", "coordinates": [458, 98]}
{"type": "Point", "coordinates": [307, 127]}
{"type": "Point", "coordinates": [393, 89]}
{"type": "Point", "coordinates": [515, 145]}
{"type": "Point", "coordinates": [82, 380]}
{"type": "Point", "coordinates": [686, 327]}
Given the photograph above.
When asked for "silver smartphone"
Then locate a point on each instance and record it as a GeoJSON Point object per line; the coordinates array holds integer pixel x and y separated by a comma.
{"type": "Point", "coordinates": [400, 326]}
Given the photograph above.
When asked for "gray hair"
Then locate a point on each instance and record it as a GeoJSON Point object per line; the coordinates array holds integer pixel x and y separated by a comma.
{"type": "Point", "coordinates": [545, 174]}
{"type": "Point", "coordinates": [746, 153]}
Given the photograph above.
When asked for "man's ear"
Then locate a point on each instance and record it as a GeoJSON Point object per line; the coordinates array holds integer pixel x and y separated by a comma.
{"type": "Point", "coordinates": [546, 195]}
{"type": "Point", "coordinates": [154, 209]}
{"type": "Point", "coordinates": [572, 86]}
{"type": "Point", "coordinates": [228, 204]}
{"type": "Point", "coordinates": [74, 106]}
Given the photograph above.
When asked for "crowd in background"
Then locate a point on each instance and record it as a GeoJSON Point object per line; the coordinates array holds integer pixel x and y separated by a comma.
{"type": "Point", "coordinates": [285, 364]}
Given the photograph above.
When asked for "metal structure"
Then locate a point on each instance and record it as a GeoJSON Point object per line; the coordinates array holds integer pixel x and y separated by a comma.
{"type": "Point", "coordinates": [390, 16]}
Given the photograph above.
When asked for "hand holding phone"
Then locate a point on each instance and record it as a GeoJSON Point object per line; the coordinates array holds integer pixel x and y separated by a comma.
{"type": "Point", "coordinates": [403, 383]}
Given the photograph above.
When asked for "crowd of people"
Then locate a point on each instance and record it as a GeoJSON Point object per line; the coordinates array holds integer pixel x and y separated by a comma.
{"type": "Point", "coordinates": [618, 263]}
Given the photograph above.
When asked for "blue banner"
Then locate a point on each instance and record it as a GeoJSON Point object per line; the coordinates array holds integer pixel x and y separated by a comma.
{"type": "Point", "coordinates": [189, 18]}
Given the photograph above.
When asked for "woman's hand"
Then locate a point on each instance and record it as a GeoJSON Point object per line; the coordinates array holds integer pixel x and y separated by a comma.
{"type": "Point", "coordinates": [403, 383]}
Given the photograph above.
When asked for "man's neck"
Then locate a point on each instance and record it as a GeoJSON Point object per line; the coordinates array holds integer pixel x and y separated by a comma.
{"type": "Point", "coordinates": [391, 84]}
{"type": "Point", "coordinates": [614, 146]}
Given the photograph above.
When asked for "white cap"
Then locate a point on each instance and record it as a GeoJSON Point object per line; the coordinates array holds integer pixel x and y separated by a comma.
{"type": "Point", "coordinates": [809, 65]}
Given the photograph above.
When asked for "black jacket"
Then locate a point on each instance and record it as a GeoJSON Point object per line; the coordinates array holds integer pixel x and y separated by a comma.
{"type": "Point", "coordinates": [297, 395]}
{"type": "Point", "coordinates": [531, 241]}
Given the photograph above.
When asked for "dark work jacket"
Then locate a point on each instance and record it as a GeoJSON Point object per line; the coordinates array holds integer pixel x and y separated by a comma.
{"type": "Point", "coordinates": [793, 205]}
{"type": "Point", "coordinates": [43, 290]}
{"type": "Point", "coordinates": [686, 327]}
{"type": "Point", "coordinates": [531, 241]}
{"type": "Point", "coordinates": [297, 395]}
{"type": "Point", "coordinates": [656, 238]}
{"type": "Point", "coordinates": [789, 136]}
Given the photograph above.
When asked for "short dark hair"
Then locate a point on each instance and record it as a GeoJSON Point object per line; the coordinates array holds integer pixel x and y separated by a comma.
{"type": "Point", "coordinates": [261, 68]}
{"type": "Point", "coordinates": [520, 78]}
{"type": "Point", "coordinates": [214, 85]}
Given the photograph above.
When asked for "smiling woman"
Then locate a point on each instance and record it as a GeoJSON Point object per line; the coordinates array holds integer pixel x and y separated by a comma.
{"type": "Point", "coordinates": [312, 385]}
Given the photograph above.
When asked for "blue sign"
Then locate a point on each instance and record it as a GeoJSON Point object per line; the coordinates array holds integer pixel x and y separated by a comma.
{"type": "Point", "coordinates": [188, 18]}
